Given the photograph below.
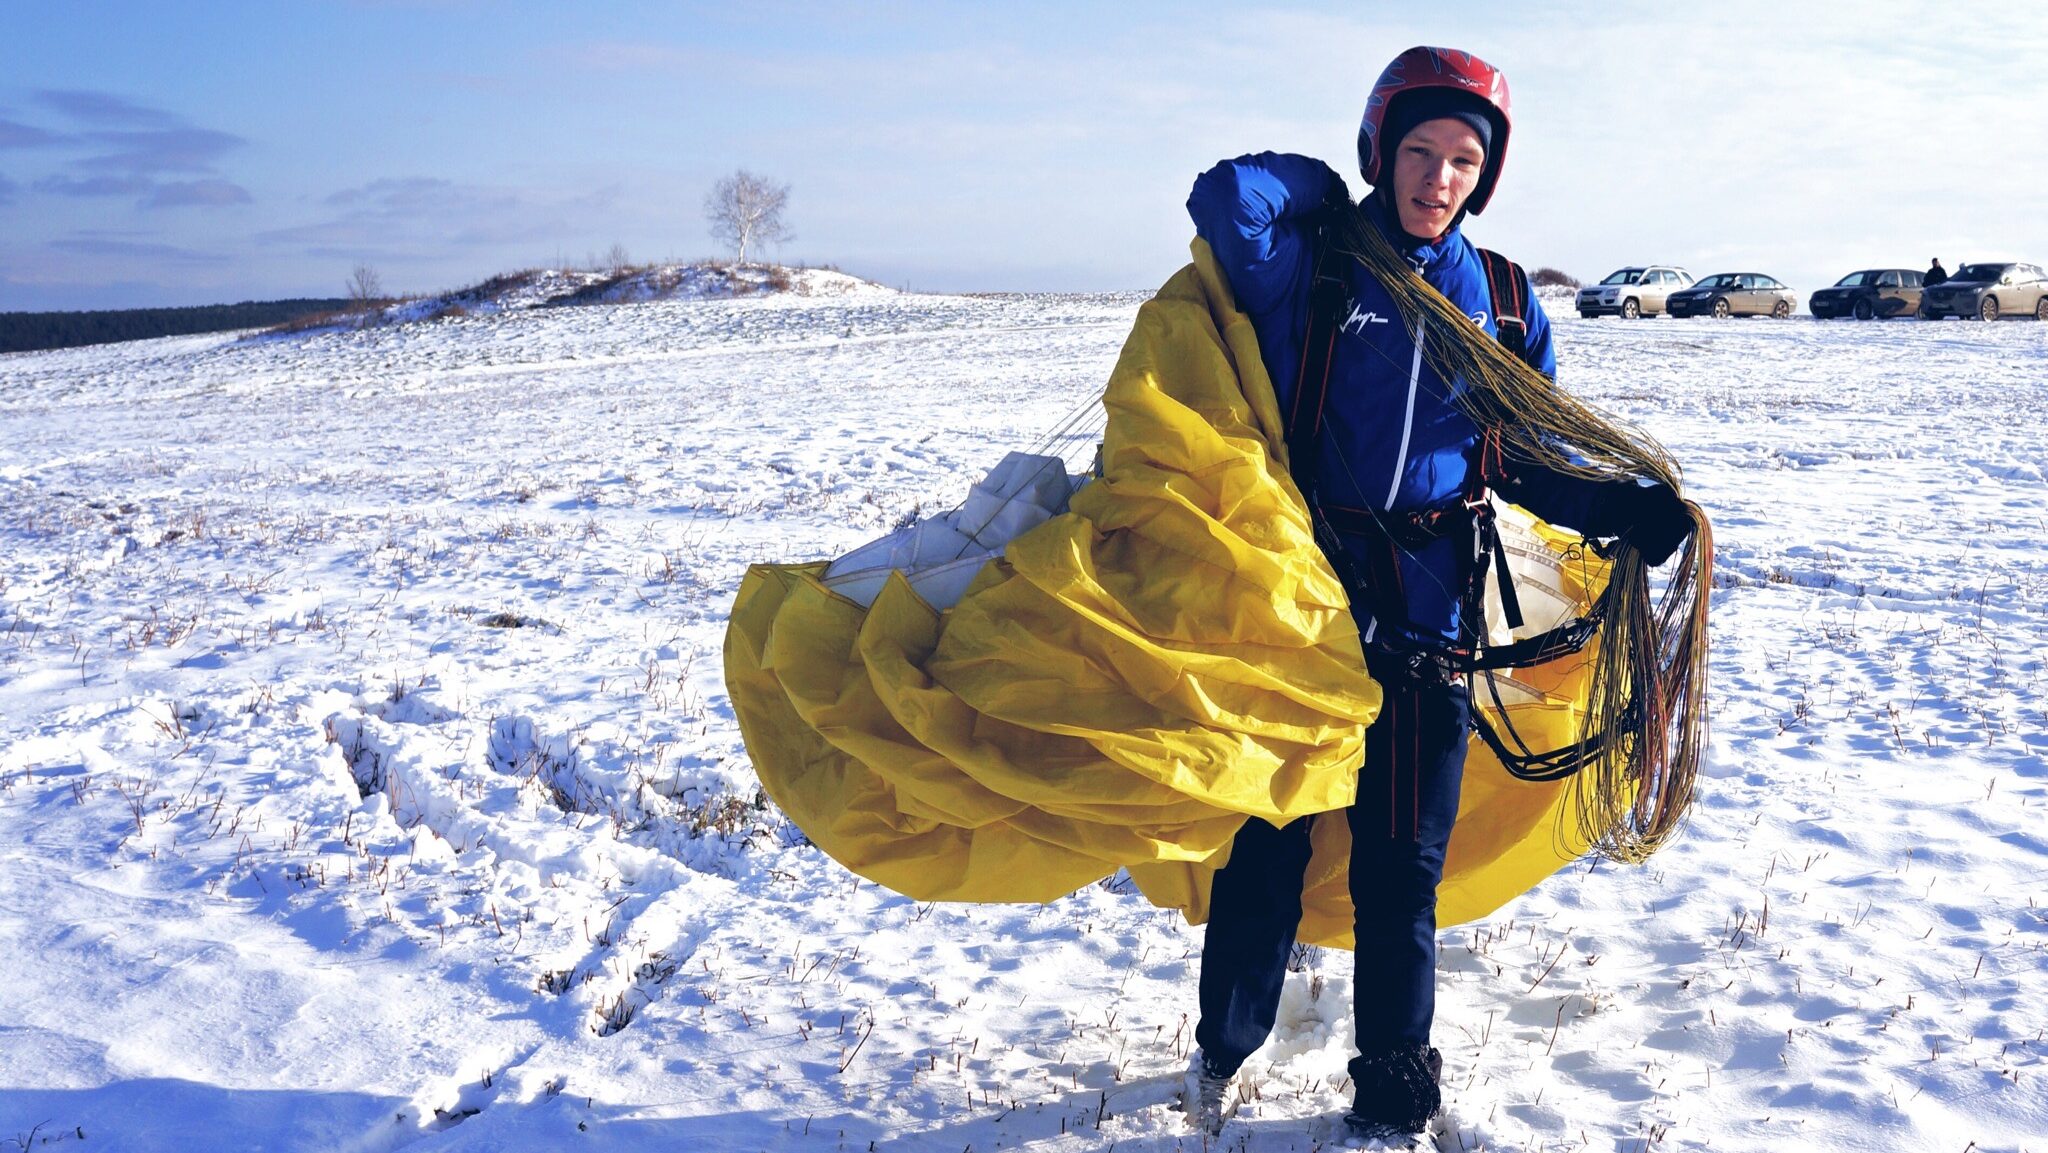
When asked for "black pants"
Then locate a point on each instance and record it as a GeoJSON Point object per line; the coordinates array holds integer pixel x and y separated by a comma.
{"type": "Point", "coordinates": [1400, 826]}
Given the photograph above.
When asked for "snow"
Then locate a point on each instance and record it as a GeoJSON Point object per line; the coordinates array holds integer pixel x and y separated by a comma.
{"type": "Point", "coordinates": [370, 782]}
{"type": "Point", "coordinates": [557, 288]}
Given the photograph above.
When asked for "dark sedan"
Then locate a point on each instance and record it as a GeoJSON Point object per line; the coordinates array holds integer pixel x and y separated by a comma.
{"type": "Point", "coordinates": [1874, 292]}
{"type": "Point", "coordinates": [1734, 294]}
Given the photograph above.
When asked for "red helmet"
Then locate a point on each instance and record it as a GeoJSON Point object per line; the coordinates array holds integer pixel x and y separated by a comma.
{"type": "Point", "coordinates": [1438, 68]}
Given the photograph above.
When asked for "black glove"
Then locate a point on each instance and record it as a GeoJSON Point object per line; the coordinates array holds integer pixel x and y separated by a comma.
{"type": "Point", "coordinates": [1658, 522]}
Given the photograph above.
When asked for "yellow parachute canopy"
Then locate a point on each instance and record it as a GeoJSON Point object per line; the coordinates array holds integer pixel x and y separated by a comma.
{"type": "Point", "coordinates": [1130, 680]}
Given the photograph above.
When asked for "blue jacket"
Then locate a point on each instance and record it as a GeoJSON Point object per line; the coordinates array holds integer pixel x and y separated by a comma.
{"type": "Point", "coordinates": [1393, 440]}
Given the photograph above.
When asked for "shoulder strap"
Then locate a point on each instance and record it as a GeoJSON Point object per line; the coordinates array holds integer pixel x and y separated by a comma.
{"type": "Point", "coordinates": [1311, 396]}
{"type": "Point", "coordinates": [1508, 286]}
{"type": "Point", "coordinates": [1312, 382]}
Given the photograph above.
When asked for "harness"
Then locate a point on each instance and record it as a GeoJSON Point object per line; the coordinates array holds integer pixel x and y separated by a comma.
{"type": "Point", "coordinates": [1510, 311]}
{"type": "Point", "coordinates": [1373, 570]}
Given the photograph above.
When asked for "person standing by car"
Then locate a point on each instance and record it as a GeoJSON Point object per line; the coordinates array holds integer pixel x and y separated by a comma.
{"type": "Point", "coordinates": [1393, 447]}
{"type": "Point", "coordinates": [1934, 275]}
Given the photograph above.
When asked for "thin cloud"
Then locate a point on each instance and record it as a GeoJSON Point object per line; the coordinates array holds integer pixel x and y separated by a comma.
{"type": "Point", "coordinates": [486, 83]}
{"type": "Point", "coordinates": [161, 150]}
{"type": "Point", "coordinates": [15, 134]}
{"type": "Point", "coordinates": [88, 244]}
{"type": "Point", "coordinates": [214, 193]}
{"type": "Point", "coordinates": [7, 190]}
{"type": "Point", "coordinates": [408, 216]}
{"type": "Point", "coordinates": [626, 56]}
{"type": "Point", "coordinates": [105, 108]}
{"type": "Point", "coordinates": [133, 150]}
{"type": "Point", "coordinates": [93, 187]}
{"type": "Point", "coordinates": [392, 197]}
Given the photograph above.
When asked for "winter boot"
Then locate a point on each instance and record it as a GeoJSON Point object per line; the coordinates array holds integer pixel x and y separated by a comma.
{"type": "Point", "coordinates": [1210, 1097]}
{"type": "Point", "coordinates": [1396, 1093]}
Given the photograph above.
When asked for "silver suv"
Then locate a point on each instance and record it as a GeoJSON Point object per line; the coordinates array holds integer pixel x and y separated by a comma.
{"type": "Point", "coordinates": [1989, 291]}
{"type": "Point", "coordinates": [1632, 292]}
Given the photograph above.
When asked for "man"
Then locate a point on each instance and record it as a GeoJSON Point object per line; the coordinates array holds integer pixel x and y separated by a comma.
{"type": "Point", "coordinates": [1393, 449]}
{"type": "Point", "coordinates": [1936, 274]}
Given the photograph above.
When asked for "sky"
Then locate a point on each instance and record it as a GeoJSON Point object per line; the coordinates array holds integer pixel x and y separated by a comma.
{"type": "Point", "coordinates": [160, 154]}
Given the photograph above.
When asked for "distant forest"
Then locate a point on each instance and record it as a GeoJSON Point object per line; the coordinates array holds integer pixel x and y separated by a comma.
{"type": "Point", "coordinates": [24, 331]}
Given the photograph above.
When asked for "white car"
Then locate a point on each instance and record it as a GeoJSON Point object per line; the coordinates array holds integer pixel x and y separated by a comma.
{"type": "Point", "coordinates": [1632, 292]}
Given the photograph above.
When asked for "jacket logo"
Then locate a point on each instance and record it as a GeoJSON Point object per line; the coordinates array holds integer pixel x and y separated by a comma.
{"type": "Point", "coordinates": [1479, 318]}
{"type": "Point", "coordinates": [1359, 318]}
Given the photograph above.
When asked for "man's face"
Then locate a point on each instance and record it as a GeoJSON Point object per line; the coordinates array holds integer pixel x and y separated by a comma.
{"type": "Point", "coordinates": [1435, 168]}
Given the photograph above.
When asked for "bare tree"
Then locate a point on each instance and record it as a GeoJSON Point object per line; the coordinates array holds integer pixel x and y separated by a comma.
{"type": "Point", "coordinates": [616, 259]}
{"type": "Point", "coordinates": [364, 286]}
{"type": "Point", "coordinates": [745, 210]}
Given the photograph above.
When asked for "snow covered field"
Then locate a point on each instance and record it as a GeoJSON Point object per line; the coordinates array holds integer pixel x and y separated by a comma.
{"type": "Point", "coordinates": [367, 780]}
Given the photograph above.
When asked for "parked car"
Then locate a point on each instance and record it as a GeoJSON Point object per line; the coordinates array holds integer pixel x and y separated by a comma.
{"type": "Point", "coordinates": [1874, 292]}
{"type": "Point", "coordinates": [1632, 292]}
{"type": "Point", "coordinates": [1989, 291]}
{"type": "Point", "coordinates": [1735, 294]}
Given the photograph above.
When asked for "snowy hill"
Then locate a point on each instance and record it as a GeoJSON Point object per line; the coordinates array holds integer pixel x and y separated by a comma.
{"type": "Point", "coordinates": [369, 781]}
{"type": "Point", "coordinates": [555, 288]}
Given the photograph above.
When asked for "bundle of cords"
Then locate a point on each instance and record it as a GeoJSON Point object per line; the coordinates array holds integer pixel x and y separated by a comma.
{"type": "Point", "coordinates": [1645, 725]}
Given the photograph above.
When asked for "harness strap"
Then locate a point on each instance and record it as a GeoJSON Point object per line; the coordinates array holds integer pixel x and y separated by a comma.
{"type": "Point", "coordinates": [1488, 472]}
{"type": "Point", "coordinates": [1319, 345]}
{"type": "Point", "coordinates": [1525, 763]}
{"type": "Point", "coordinates": [1508, 285]}
{"type": "Point", "coordinates": [1304, 421]}
{"type": "Point", "coordinates": [1504, 578]}
{"type": "Point", "coordinates": [1407, 529]}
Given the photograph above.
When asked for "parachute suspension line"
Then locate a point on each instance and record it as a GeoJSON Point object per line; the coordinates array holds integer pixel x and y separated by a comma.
{"type": "Point", "coordinates": [1644, 732]}
{"type": "Point", "coordinates": [1080, 429]}
{"type": "Point", "coordinates": [1083, 426]}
